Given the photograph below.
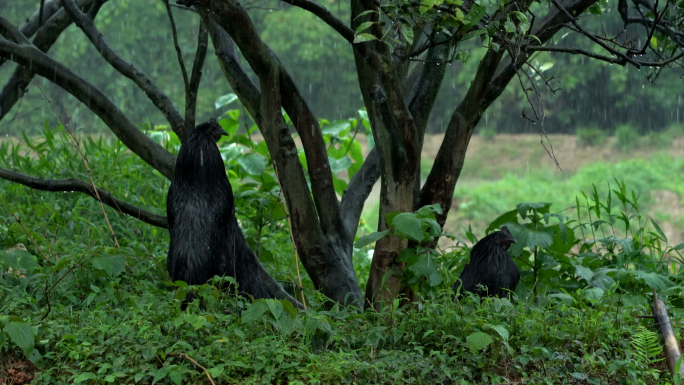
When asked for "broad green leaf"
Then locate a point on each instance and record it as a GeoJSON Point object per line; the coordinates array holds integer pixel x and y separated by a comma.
{"type": "Point", "coordinates": [339, 165]}
{"type": "Point", "coordinates": [364, 13]}
{"type": "Point", "coordinates": [426, 211]}
{"type": "Point", "coordinates": [540, 207]}
{"type": "Point", "coordinates": [584, 272]}
{"type": "Point", "coordinates": [653, 280]}
{"type": "Point", "coordinates": [336, 127]}
{"type": "Point", "coordinates": [113, 265]}
{"type": "Point", "coordinates": [474, 16]}
{"type": "Point", "coordinates": [563, 297]}
{"type": "Point", "coordinates": [225, 100]}
{"type": "Point", "coordinates": [593, 293]}
{"type": "Point", "coordinates": [364, 26]}
{"type": "Point", "coordinates": [407, 224]}
{"type": "Point", "coordinates": [253, 164]}
{"type": "Point", "coordinates": [508, 216]}
{"type": "Point", "coordinates": [275, 307]}
{"type": "Point", "coordinates": [370, 238]}
{"type": "Point", "coordinates": [230, 152]}
{"type": "Point", "coordinates": [472, 34]}
{"type": "Point", "coordinates": [364, 37]}
{"type": "Point", "coordinates": [254, 312]}
{"type": "Point", "coordinates": [478, 341]}
{"type": "Point", "coordinates": [21, 334]}
{"type": "Point", "coordinates": [85, 376]}
{"type": "Point", "coordinates": [503, 332]}
{"type": "Point", "coordinates": [528, 237]}
{"type": "Point", "coordinates": [19, 259]}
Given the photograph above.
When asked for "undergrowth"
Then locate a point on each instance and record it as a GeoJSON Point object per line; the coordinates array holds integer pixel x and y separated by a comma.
{"type": "Point", "coordinates": [86, 311]}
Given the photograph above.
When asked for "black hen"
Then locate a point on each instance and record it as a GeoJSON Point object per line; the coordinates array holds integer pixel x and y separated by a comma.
{"type": "Point", "coordinates": [491, 266]}
{"type": "Point", "coordinates": [205, 237]}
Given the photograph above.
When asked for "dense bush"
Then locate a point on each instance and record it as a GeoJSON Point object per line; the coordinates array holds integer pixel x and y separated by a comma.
{"type": "Point", "coordinates": [627, 138]}
{"type": "Point", "coordinates": [590, 136]}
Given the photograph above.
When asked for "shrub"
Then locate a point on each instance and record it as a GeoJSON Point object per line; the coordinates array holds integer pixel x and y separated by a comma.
{"type": "Point", "coordinates": [487, 133]}
{"type": "Point", "coordinates": [627, 137]}
{"type": "Point", "coordinates": [590, 136]}
{"type": "Point", "coordinates": [660, 139]}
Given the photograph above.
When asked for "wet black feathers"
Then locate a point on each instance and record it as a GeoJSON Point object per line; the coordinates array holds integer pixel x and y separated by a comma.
{"type": "Point", "coordinates": [205, 237]}
{"type": "Point", "coordinates": [491, 266]}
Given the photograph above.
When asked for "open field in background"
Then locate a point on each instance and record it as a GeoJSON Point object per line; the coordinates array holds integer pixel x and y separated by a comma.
{"type": "Point", "coordinates": [509, 169]}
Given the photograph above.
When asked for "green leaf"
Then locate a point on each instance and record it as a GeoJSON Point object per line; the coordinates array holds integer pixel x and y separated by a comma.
{"type": "Point", "coordinates": [370, 238]}
{"type": "Point", "coordinates": [339, 165]}
{"type": "Point", "coordinates": [225, 100]}
{"type": "Point", "coordinates": [507, 217]}
{"type": "Point", "coordinates": [83, 377]}
{"type": "Point", "coordinates": [254, 312]}
{"type": "Point", "coordinates": [113, 265]}
{"type": "Point", "coordinates": [474, 16]}
{"type": "Point", "coordinates": [408, 225]}
{"type": "Point", "coordinates": [230, 152]}
{"type": "Point", "coordinates": [336, 127]}
{"type": "Point", "coordinates": [364, 26]}
{"type": "Point", "coordinates": [427, 211]}
{"type": "Point", "coordinates": [526, 236]}
{"type": "Point", "coordinates": [660, 232]}
{"type": "Point", "coordinates": [564, 298]}
{"type": "Point", "coordinates": [478, 341]}
{"type": "Point", "coordinates": [584, 272]}
{"type": "Point", "coordinates": [503, 332]}
{"type": "Point", "coordinates": [275, 307]}
{"type": "Point", "coordinates": [364, 13]}
{"type": "Point", "coordinates": [540, 207]}
{"type": "Point", "coordinates": [364, 37]}
{"type": "Point", "coordinates": [21, 334]}
{"type": "Point", "coordinates": [472, 34]}
{"type": "Point", "coordinates": [593, 293]}
{"type": "Point", "coordinates": [407, 32]}
{"type": "Point", "coordinates": [253, 164]}
{"type": "Point", "coordinates": [20, 260]}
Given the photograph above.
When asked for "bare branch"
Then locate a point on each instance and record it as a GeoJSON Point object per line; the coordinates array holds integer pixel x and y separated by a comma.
{"type": "Point", "coordinates": [129, 70]}
{"type": "Point", "coordinates": [195, 77]}
{"type": "Point", "coordinates": [322, 13]}
{"type": "Point", "coordinates": [228, 57]}
{"type": "Point", "coordinates": [625, 58]}
{"type": "Point", "coordinates": [179, 54]}
{"type": "Point", "coordinates": [59, 185]}
{"type": "Point", "coordinates": [15, 87]}
{"type": "Point", "coordinates": [151, 152]}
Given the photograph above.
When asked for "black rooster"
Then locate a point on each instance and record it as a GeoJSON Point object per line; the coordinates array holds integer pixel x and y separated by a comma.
{"type": "Point", "coordinates": [491, 267]}
{"type": "Point", "coordinates": [205, 237]}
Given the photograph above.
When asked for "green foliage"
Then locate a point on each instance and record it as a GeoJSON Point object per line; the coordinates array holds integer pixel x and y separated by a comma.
{"type": "Point", "coordinates": [627, 138]}
{"type": "Point", "coordinates": [71, 305]}
{"type": "Point", "coordinates": [590, 136]}
{"type": "Point", "coordinates": [487, 133]}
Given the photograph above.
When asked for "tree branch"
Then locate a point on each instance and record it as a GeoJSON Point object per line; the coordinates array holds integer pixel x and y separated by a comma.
{"type": "Point", "coordinates": [326, 16]}
{"type": "Point", "coordinates": [358, 190]}
{"type": "Point", "coordinates": [228, 57]}
{"type": "Point", "coordinates": [195, 77]}
{"type": "Point", "coordinates": [233, 18]}
{"type": "Point", "coordinates": [129, 70]}
{"type": "Point", "coordinates": [15, 87]}
{"type": "Point", "coordinates": [58, 185]}
{"type": "Point", "coordinates": [151, 152]}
